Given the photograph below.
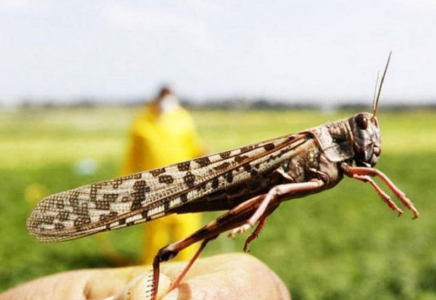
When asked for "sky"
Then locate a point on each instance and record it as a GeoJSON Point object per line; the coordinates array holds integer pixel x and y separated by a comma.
{"type": "Point", "coordinates": [314, 50]}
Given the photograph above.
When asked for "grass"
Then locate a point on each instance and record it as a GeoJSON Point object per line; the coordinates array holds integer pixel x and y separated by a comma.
{"type": "Point", "coordinates": [342, 244]}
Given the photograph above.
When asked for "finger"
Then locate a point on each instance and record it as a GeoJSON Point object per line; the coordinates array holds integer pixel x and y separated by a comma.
{"type": "Point", "coordinates": [229, 276]}
{"type": "Point", "coordinates": [84, 284]}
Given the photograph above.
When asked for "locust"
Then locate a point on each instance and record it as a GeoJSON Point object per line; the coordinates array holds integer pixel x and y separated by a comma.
{"type": "Point", "coordinates": [249, 183]}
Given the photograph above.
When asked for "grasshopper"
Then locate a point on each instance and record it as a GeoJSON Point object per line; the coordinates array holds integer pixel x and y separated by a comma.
{"type": "Point", "coordinates": [250, 182]}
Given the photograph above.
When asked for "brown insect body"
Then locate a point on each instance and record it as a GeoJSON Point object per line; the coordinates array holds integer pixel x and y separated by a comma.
{"type": "Point", "coordinates": [250, 182]}
{"type": "Point", "coordinates": [216, 182]}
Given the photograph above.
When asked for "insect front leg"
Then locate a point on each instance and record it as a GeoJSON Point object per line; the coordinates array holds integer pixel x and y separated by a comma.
{"type": "Point", "coordinates": [362, 173]}
{"type": "Point", "coordinates": [385, 197]}
{"type": "Point", "coordinates": [273, 195]}
{"type": "Point", "coordinates": [229, 220]}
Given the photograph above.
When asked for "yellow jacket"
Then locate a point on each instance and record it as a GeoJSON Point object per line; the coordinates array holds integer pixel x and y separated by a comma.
{"type": "Point", "coordinates": [158, 140]}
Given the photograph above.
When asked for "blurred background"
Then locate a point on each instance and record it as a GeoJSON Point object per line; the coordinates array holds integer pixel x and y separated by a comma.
{"type": "Point", "coordinates": [73, 77]}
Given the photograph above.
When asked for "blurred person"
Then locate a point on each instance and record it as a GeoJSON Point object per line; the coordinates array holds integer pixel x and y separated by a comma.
{"type": "Point", "coordinates": [164, 133]}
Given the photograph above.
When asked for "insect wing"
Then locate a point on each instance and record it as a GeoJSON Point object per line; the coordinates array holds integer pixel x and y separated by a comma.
{"type": "Point", "coordinates": [140, 197]}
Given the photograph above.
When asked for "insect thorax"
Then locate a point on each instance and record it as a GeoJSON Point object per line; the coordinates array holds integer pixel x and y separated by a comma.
{"type": "Point", "coordinates": [335, 140]}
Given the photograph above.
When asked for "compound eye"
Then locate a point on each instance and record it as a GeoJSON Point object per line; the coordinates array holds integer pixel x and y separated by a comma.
{"type": "Point", "coordinates": [362, 121]}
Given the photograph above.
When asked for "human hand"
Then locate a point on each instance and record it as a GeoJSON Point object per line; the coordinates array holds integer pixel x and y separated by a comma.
{"type": "Point", "coordinates": [227, 276]}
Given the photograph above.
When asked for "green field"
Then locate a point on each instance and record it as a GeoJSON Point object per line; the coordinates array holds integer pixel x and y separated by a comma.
{"type": "Point", "coordinates": [342, 244]}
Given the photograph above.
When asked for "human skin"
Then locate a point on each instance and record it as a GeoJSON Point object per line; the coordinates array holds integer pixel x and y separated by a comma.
{"type": "Point", "coordinates": [227, 276]}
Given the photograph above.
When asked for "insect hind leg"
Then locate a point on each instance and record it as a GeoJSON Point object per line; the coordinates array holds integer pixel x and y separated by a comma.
{"type": "Point", "coordinates": [255, 233]}
{"type": "Point", "coordinates": [191, 262]}
{"type": "Point", "coordinates": [233, 218]}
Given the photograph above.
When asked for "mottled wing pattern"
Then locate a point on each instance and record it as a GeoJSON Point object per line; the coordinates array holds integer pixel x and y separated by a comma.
{"type": "Point", "coordinates": [144, 196]}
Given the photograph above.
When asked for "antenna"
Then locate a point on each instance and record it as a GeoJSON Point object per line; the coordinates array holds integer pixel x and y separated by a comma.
{"type": "Point", "coordinates": [377, 98]}
{"type": "Point", "coordinates": [374, 108]}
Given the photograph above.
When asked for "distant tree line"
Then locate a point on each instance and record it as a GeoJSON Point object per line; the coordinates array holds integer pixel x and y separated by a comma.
{"type": "Point", "coordinates": [229, 104]}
